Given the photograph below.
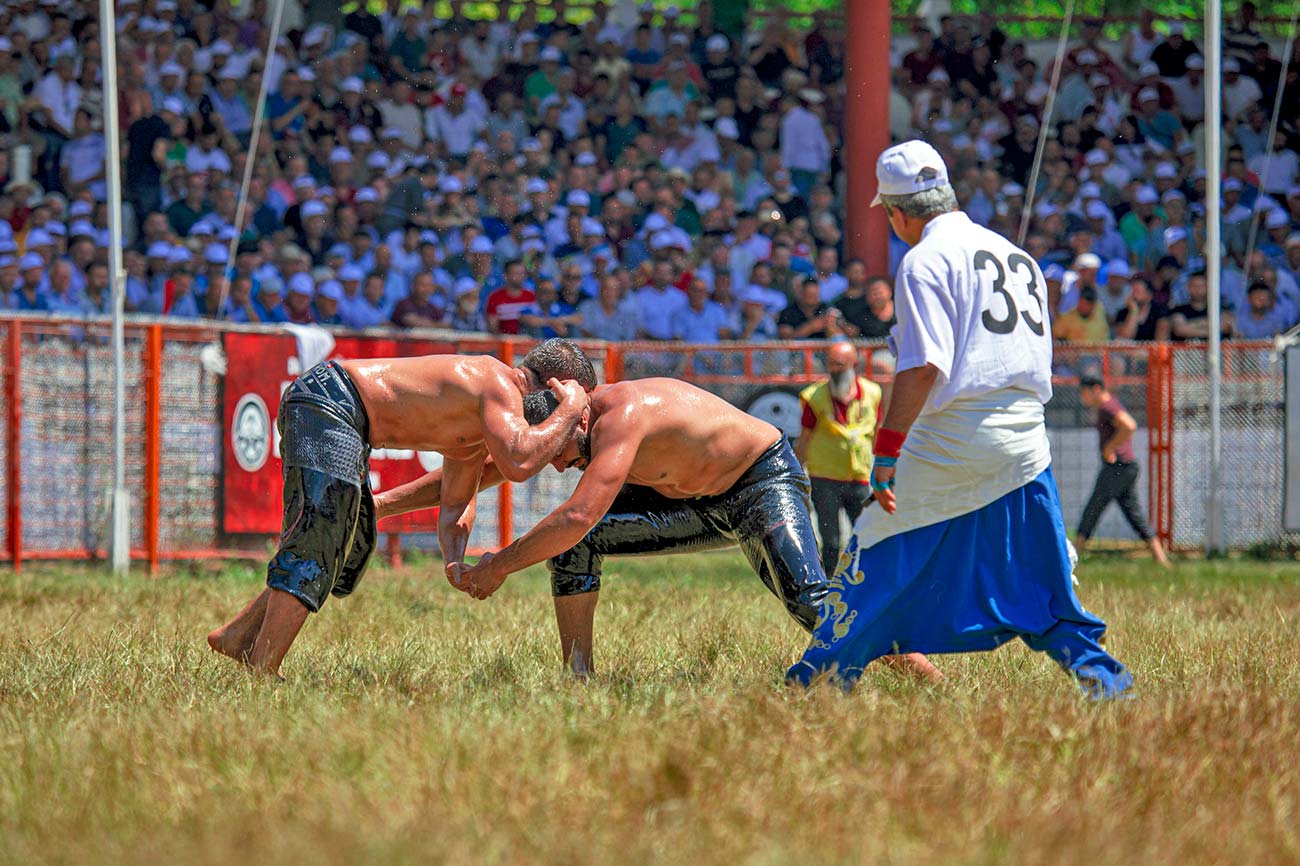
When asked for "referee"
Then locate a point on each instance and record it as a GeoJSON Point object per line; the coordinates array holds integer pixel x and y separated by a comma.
{"type": "Point", "coordinates": [1118, 477]}
{"type": "Point", "coordinates": [967, 547]}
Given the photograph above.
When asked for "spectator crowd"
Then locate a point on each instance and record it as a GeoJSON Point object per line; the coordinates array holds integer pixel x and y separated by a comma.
{"type": "Point", "coordinates": [640, 175]}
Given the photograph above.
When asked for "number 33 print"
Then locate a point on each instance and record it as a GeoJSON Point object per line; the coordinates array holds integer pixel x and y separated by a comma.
{"type": "Point", "coordinates": [1005, 324]}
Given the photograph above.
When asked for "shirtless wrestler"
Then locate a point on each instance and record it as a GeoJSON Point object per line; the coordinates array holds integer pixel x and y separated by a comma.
{"type": "Point", "coordinates": [667, 468]}
{"type": "Point", "coordinates": [467, 408]}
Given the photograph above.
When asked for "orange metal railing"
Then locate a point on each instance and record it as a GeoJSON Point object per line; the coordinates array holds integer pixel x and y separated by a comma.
{"type": "Point", "coordinates": [13, 432]}
{"type": "Point", "coordinates": [727, 369]}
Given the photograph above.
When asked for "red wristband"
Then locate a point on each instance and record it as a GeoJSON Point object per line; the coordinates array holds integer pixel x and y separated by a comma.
{"type": "Point", "coordinates": [889, 443]}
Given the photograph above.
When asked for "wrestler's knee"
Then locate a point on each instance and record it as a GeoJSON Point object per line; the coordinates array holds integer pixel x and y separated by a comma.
{"type": "Point", "coordinates": [801, 583]}
{"type": "Point", "coordinates": [577, 570]}
{"type": "Point", "coordinates": [305, 579]}
{"type": "Point", "coordinates": [797, 571]}
{"type": "Point", "coordinates": [314, 547]}
{"type": "Point", "coordinates": [564, 584]}
{"type": "Point", "coordinates": [806, 611]}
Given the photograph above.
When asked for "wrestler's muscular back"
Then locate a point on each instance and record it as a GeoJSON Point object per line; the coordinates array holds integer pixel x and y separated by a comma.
{"type": "Point", "coordinates": [691, 442]}
{"type": "Point", "coordinates": [429, 403]}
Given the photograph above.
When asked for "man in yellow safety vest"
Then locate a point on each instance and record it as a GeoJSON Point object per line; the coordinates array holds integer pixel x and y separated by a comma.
{"type": "Point", "coordinates": [839, 425]}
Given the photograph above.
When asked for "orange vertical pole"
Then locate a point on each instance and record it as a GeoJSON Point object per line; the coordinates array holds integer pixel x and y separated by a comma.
{"type": "Point", "coordinates": [1153, 433]}
{"type": "Point", "coordinates": [505, 493]}
{"type": "Point", "coordinates": [1160, 432]}
{"type": "Point", "coordinates": [866, 127]}
{"type": "Point", "coordinates": [153, 443]}
{"type": "Point", "coordinates": [14, 425]}
{"type": "Point", "coordinates": [613, 363]}
{"type": "Point", "coordinates": [1167, 480]}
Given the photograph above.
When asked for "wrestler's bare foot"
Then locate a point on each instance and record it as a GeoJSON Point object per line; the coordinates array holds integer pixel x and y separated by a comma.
{"type": "Point", "coordinates": [221, 641]}
{"type": "Point", "coordinates": [914, 665]}
{"type": "Point", "coordinates": [579, 667]}
{"type": "Point", "coordinates": [235, 639]}
{"type": "Point", "coordinates": [285, 616]}
{"type": "Point", "coordinates": [267, 674]}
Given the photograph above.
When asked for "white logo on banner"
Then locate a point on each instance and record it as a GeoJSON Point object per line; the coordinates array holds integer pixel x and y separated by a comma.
{"type": "Point", "coordinates": [250, 433]}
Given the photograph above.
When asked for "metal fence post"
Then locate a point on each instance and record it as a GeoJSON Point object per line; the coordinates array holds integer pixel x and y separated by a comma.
{"type": "Point", "coordinates": [152, 443]}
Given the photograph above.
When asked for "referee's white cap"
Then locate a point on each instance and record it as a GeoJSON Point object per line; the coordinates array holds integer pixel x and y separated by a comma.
{"type": "Point", "coordinates": [908, 168]}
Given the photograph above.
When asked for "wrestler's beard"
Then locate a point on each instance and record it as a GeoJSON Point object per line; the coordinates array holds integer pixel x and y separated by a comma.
{"type": "Point", "coordinates": [842, 384]}
{"type": "Point", "coordinates": [584, 449]}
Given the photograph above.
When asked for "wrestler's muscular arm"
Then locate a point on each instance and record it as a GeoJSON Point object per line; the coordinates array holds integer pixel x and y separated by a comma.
{"type": "Point", "coordinates": [613, 454]}
{"type": "Point", "coordinates": [426, 492]}
{"type": "Point", "coordinates": [518, 450]}
{"type": "Point", "coordinates": [456, 519]}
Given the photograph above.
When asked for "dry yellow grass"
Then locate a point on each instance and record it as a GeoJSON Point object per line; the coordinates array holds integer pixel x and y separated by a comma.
{"type": "Point", "coordinates": [421, 727]}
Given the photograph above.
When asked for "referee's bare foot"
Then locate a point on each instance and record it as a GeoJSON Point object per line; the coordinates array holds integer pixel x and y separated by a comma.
{"type": "Point", "coordinates": [1158, 552]}
{"type": "Point", "coordinates": [916, 666]}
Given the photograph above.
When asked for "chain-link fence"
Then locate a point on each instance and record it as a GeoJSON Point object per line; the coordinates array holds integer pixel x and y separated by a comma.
{"type": "Point", "coordinates": [189, 447]}
{"type": "Point", "coordinates": [1252, 450]}
{"type": "Point", "coordinates": [175, 431]}
{"type": "Point", "coordinates": [66, 434]}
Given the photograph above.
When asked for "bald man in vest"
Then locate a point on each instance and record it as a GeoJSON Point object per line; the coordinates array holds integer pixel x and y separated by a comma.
{"type": "Point", "coordinates": [839, 425]}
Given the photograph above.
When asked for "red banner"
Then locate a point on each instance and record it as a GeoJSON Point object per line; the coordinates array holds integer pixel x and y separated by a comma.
{"type": "Point", "coordinates": [259, 367]}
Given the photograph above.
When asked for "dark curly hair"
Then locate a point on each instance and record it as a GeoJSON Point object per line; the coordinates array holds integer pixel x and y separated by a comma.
{"type": "Point", "coordinates": [539, 405]}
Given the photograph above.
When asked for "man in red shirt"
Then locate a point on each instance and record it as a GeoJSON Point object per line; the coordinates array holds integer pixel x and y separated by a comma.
{"type": "Point", "coordinates": [1119, 472]}
{"type": "Point", "coordinates": [505, 305]}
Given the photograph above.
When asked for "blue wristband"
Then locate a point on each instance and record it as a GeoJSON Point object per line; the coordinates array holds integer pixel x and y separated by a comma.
{"type": "Point", "coordinates": [885, 462]}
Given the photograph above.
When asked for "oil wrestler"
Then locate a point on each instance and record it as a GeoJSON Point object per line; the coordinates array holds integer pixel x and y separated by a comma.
{"type": "Point", "coordinates": [467, 408]}
{"type": "Point", "coordinates": [668, 468]}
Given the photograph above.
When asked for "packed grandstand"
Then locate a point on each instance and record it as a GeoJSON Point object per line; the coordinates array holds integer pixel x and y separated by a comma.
{"type": "Point", "coordinates": [638, 175]}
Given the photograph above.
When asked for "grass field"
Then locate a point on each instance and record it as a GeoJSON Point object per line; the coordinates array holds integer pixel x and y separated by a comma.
{"type": "Point", "coordinates": [418, 726]}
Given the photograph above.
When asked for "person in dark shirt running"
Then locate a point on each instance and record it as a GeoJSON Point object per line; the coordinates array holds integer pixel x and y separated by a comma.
{"type": "Point", "coordinates": [1118, 477]}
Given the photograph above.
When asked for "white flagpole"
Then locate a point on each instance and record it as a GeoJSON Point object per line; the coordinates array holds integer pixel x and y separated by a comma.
{"type": "Point", "coordinates": [1031, 188]}
{"type": "Point", "coordinates": [250, 160]}
{"type": "Point", "coordinates": [121, 535]}
{"type": "Point", "coordinates": [1214, 264]}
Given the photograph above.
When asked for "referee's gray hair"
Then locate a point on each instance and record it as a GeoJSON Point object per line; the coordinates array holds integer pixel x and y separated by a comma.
{"type": "Point", "coordinates": [924, 204]}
